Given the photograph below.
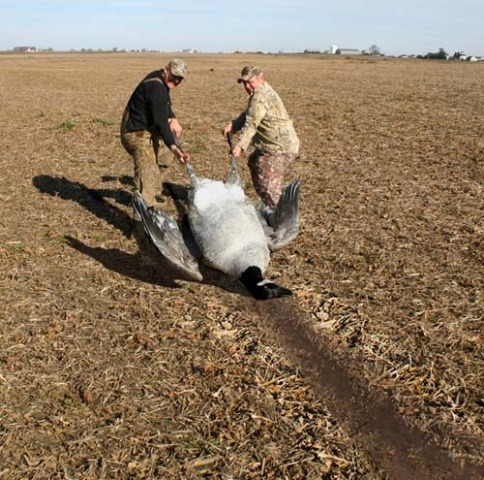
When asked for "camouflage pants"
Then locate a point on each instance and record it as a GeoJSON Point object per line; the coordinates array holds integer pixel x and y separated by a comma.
{"type": "Point", "coordinates": [145, 150]}
{"type": "Point", "coordinates": [267, 171]}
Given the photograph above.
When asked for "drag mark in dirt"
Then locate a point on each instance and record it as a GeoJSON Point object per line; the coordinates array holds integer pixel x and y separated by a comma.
{"type": "Point", "coordinates": [401, 451]}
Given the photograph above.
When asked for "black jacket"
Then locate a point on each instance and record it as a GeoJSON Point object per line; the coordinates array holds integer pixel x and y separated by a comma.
{"type": "Point", "coordinates": [150, 108]}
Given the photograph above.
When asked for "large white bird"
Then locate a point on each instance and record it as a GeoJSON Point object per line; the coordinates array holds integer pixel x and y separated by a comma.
{"type": "Point", "coordinates": [232, 234]}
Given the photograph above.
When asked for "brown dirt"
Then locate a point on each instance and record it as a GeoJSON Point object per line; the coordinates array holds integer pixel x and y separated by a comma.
{"type": "Point", "coordinates": [110, 368]}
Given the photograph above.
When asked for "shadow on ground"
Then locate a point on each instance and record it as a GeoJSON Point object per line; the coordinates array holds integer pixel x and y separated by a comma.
{"type": "Point", "coordinates": [90, 199]}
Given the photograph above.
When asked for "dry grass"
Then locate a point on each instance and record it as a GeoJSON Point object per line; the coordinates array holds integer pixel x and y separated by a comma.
{"type": "Point", "coordinates": [112, 369]}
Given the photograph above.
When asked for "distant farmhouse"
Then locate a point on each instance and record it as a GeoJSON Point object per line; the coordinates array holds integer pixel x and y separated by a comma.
{"type": "Point", "coordinates": [24, 49]}
{"type": "Point", "coordinates": [347, 51]}
{"type": "Point", "coordinates": [335, 50]}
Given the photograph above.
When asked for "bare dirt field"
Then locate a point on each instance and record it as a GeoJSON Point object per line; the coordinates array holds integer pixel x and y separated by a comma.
{"type": "Point", "coordinates": [373, 369]}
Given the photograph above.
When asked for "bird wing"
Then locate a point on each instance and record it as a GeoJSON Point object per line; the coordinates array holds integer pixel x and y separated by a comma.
{"type": "Point", "coordinates": [163, 230]}
{"type": "Point", "coordinates": [281, 225]}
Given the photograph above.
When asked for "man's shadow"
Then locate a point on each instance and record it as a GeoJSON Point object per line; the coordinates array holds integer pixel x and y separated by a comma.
{"type": "Point", "coordinates": [147, 265]}
{"type": "Point", "coordinates": [90, 199]}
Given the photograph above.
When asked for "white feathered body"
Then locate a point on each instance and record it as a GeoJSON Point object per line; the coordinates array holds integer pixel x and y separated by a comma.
{"type": "Point", "coordinates": [227, 228]}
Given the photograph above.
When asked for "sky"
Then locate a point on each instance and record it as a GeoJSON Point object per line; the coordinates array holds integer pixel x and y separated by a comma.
{"type": "Point", "coordinates": [395, 26]}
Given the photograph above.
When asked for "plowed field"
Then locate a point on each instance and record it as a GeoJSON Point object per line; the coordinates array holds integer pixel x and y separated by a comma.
{"type": "Point", "coordinates": [114, 369]}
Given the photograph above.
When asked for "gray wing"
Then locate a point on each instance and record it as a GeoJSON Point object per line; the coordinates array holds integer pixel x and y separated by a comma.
{"type": "Point", "coordinates": [163, 230]}
{"type": "Point", "coordinates": [282, 224]}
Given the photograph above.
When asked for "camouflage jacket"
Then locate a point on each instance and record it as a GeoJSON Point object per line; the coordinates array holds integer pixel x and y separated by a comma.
{"type": "Point", "coordinates": [266, 124]}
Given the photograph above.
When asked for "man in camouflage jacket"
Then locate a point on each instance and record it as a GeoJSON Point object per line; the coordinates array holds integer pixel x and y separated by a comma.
{"type": "Point", "coordinates": [266, 124]}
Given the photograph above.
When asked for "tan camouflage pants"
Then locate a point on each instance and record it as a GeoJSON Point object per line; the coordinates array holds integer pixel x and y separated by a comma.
{"type": "Point", "coordinates": [145, 150]}
{"type": "Point", "coordinates": [267, 173]}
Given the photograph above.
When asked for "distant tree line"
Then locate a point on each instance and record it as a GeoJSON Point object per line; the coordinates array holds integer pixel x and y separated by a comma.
{"type": "Point", "coordinates": [440, 55]}
{"type": "Point", "coordinates": [443, 55]}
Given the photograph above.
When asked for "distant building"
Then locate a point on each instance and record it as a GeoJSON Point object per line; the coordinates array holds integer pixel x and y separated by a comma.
{"type": "Point", "coordinates": [24, 49]}
{"type": "Point", "coordinates": [347, 51]}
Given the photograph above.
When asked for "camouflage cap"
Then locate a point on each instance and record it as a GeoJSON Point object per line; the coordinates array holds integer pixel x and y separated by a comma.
{"type": "Point", "coordinates": [178, 67]}
{"type": "Point", "coordinates": [248, 72]}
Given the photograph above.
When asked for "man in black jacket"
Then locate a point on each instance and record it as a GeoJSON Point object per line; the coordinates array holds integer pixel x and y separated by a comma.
{"type": "Point", "coordinates": [149, 118]}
